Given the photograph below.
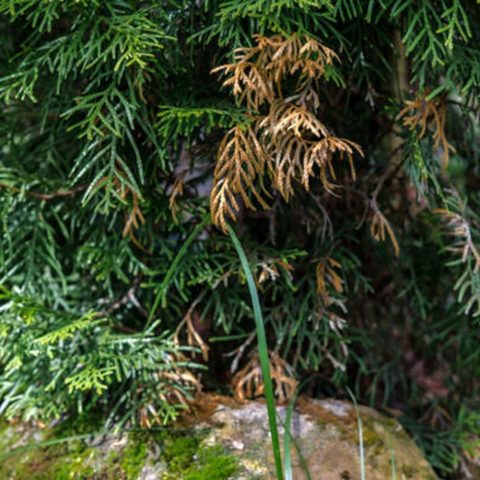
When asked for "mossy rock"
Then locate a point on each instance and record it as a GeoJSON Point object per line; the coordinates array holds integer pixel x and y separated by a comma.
{"type": "Point", "coordinates": [221, 441]}
{"type": "Point", "coordinates": [32, 454]}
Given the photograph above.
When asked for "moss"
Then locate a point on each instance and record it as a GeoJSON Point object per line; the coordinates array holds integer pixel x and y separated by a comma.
{"type": "Point", "coordinates": [408, 471]}
{"type": "Point", "coordinates": [187, 459]}
{"type": "Point", "coordinates": [59, 462]}
{"type": "Point", "coordinates": [133, 457]}
{"type": "Point", "coordinates": [180, 452]}
{"type": "Point", "coordinates": [62, 461]}
{"type": "Point", "coordinates": [75, 459]}
{"type": "Point", "coordinates": [183, 453]}
{"type": "Point", "coordinates": [372, 436]}
{"type": "Point", "coordinates": [75, 465]}
{"type": "Point", "coordinates": [213, 464]}
{"type": "Point", "coordinates": [54, 462]}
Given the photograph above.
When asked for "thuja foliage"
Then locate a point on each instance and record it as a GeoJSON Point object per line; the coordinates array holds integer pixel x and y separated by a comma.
{"type": "Point", "coordinates": [340, 139]}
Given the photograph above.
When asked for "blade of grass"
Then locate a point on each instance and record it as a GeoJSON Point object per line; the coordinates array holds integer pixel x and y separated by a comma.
{"type": "Point", "coordinates": [360, 435]}
{"type": "Point", "coordinates": [393, 464]}
{"type": "Point", "coordinates": [288, 436]}
{"type": "Point", "coordinates": [392, 458]}
{"type": "Point", "coordinates": [262, 353]}
{"type": "Point", "coordinates": [286, 439]}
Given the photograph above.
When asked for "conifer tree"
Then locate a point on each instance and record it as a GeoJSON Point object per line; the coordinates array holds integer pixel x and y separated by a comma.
{"type": "Point", "coordinates": [339, 139]}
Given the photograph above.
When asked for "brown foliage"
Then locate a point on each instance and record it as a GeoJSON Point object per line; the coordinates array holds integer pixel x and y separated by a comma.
{"type": "Point", "coordinates": [326, 275]}
{"type": "Point", "coordinates": [289, 144]}
{"type": "Point", "coordinates": [241, 159]}
{"type": "Point", "coordinates": [258, 72]}
{"type": "Point", "coordinates": [134, 217]}
{"type": "Point", "coordinates": [459, 228]}
{"type": "Point", "coordinates": [179, 381]}
{"type": "Point", "coordinates": [428, 115]}
{"type": "Point", "coordinates": [380, 227]}
{"type": "Point", "coordinates": [177, 191]}
{"type": "Point", "coordinates": [248, 382]}
{"type": "Point", "coordinates": [194, 337]}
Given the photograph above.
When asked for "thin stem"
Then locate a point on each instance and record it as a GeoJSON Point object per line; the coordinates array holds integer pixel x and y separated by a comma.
{"type": "Point", "coordinates": [262, 353]}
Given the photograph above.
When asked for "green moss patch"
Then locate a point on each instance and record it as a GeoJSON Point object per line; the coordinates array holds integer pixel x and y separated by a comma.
{"type": "Point", "coordinates": [212, 464]}
{"type": "Point", "coordinates": [187, 459]}
{"type": "Point", "coordinates": [63, 455]}
{"type": "Point", "coordinates": [49, 463]}
{"type": "Point", "coordinates": [133, 457]}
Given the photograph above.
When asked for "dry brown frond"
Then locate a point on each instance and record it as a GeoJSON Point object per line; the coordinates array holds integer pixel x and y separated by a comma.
{"type": "Point", "coordinates": [248, 84]}
{"type": "Point", "coordinates": [134, 219]}
{"type": "Point", "coordinates": [428, 114]}
{"type": "Point", "coordinates": [321, 155]}
{"type": "Point", "coordinates": [290, 144]}
{"type": "Point", "coordinates": [286, 117]}
{"type": "Point", "coordinates": [241, 160]}
{"type": "Point", "coordinates": [329, 288]}
{"type": "Point", "coordinates": [270, 270]}
{"type": "Point", "coordinates": [295, 54]}
{"type": "Point", "coordinates": [299, 144]}
{"type": "Point", "coordinates": [190, 321]}
{"type": "Point", "coordinates": [327, 276]}
{"type": "Point", "coordinates": [380, 227]}
{"type": "Point", "coordinates": [177, 191]}
{"type": "Point", "coordinates": [179, 381]}
{"type": "Point", "coordinates": [313, 58]}
{"type": "Point", "coordinates": [258, 69]}
{"type": "Point", "coordinates": [248, 382]}
{"type": "Point", "coordinates": [194, 338]}
{"type": "Point", "coordinates": [459, 228]}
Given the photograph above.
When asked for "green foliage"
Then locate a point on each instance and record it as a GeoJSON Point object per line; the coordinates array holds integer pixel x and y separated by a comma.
{"type": "Point", "coordinates": [57, 362]}
{"type": "Point", "coordinates": [114, 281]}
{"type": "Point", "coordinates": [176, 122]}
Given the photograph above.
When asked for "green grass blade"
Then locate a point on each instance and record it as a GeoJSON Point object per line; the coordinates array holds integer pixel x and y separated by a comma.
{"type": "Point", "coordinates": [287, 455]}
{"type": "Point", "coordinates": [262, 352]}
{"type": "Point", "coordinates": [288, 437]}
{"type": "Point", "coordinates": [361, 449]}
{"type": "Point", "coordinates": [393, 464]}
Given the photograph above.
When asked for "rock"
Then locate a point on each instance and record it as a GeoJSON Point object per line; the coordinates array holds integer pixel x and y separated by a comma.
{"type": "Point", "coordinates": [326, 434]}
{"type": "Point", "coordinates": [223, 440]}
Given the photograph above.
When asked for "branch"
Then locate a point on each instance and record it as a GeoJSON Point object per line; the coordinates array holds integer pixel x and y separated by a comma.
{"type": "Point", "coordinates": [46, 196]}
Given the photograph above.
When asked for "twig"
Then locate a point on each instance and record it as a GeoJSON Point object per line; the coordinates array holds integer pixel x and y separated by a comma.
{"type": "Point", "coordinates": [46, 196]}
{"type": "Point", "coordinates": [128, 297]}
{"type": "Point", "coordinates": [239, 351]}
